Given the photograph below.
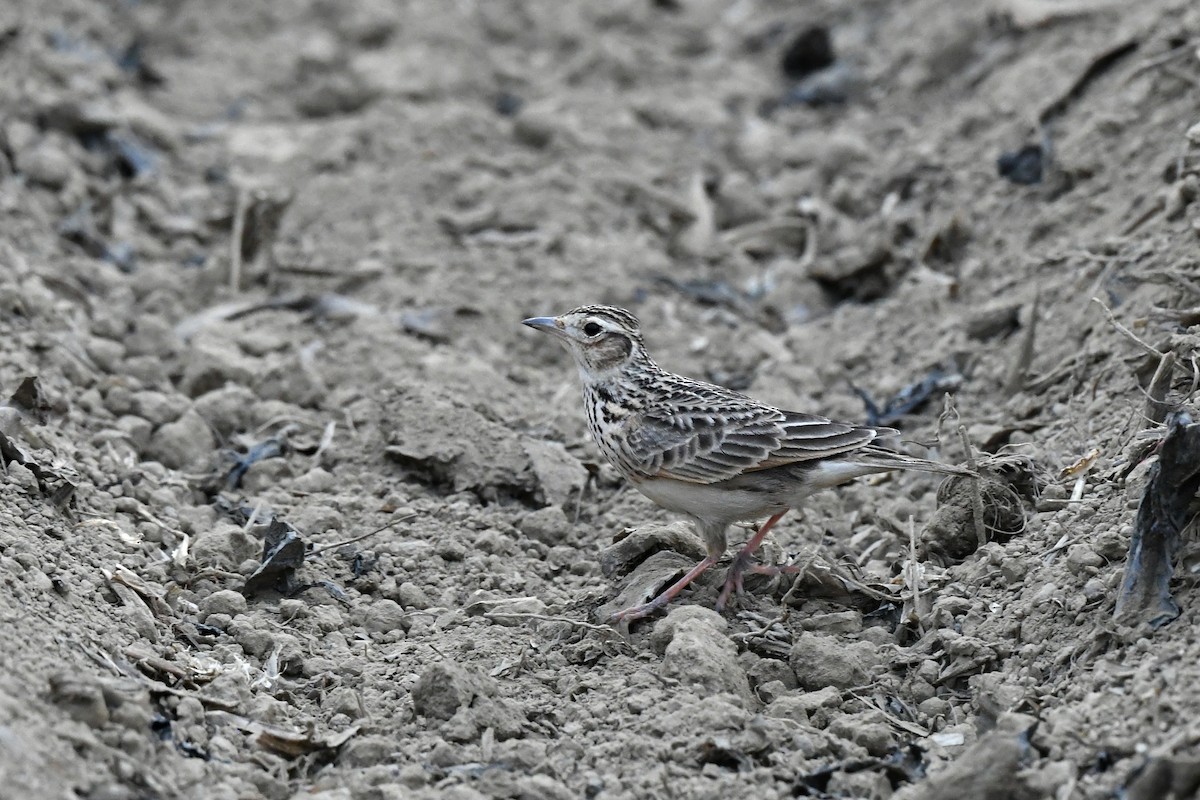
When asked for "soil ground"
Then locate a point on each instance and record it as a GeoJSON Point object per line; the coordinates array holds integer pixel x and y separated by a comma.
{"type": "Point", "coordinates": [268, 262]}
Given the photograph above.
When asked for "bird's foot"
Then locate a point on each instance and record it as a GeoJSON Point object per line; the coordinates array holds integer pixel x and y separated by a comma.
{"type": "Point", "coordinates": [736, 576]}
{"type": "Point", "coordinates": [646, 609]}
{"type": "Point", "coordinates": [640, 612]}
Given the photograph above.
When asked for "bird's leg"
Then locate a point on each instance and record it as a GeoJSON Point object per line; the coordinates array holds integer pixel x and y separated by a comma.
{"type": "Point", "coordinates": [646, 609]}
{"type": "Point", "coordinates": [741, 562]}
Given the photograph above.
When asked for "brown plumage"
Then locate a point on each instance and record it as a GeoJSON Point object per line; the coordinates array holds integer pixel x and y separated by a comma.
{"type": "Point", "coordinates": [702, 450]}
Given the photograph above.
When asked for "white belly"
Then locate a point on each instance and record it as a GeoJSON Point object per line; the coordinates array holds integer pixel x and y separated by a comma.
{"type": "Point", "coordinates": [713, 504]}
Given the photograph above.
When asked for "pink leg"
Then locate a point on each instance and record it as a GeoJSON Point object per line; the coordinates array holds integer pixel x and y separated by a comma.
{"type": "Point", "coordinates": [646, 609]}
{"type": "Point", "coordinates": [741, 562]}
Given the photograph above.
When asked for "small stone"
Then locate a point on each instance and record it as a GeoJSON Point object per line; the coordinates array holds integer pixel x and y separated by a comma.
{"type": "Point", "coordinates": [81, 699]}
{"type": "Point", "coordinates": [225, 546]}
{"type": "Point", "coordinates": [253, 641]}
{"type": "Point", "coordinates": [535, 128]}
{"type": "Point", "coordinates": [291, 608]}
{"type": "Point", "coordinates": [47, 164]}
{"type": "Point", "coordinates": [788, 706]}
{"type": "Point", "coordinates": [159, 408]}
{"type": "Point", "coordinates": [444, 688]}
{"type": "Point", "coordinates": [137, 430]}
{"type": "Point", "coordinates": [227, 409]}
{"type": "Point", "coordinates": [106, 353]}
{"type": "Point", "coordinates": [934, 707]}
{"type": "Point", "coordinates": [771, 691]}
{"type": "Point", "coordinates": [825, 661]}
{"type": "Point", "coordinates": [560, 475]}
{"type": "Point", "coordinates": [1081, 556]}
{"type": "Point", "coordinates": [767, 670]}
{"type": "Point", "coordinates": [20, 475]}
{"type": "Point", "coordinates": [383, 616]}
{"type": "Point", "coordinates": [549, 526]}
{"type": "Point", "coordinates": [182, 442]}
{"type": "Point", "coordinates": [837, 622]}
{"type": "Point", "coordinates": [212, 363]}
{"type": "Point", "coordinates": [226, 601]}
{"type": "Point", "coordinates": [701, 654]}
{"type": "Point", "coordinates": [316, 481]}
{"type": "Point", "coordinates": [868, 730]}
{"type": "Point", "coordinates": [410, 595]}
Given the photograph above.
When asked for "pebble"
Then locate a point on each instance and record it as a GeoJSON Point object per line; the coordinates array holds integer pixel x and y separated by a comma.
{"type": "Point", "coordinates": [1082, 557]}
{"type": "Point", "coordinates": [383, 616]}
{"type": "Point", "coordinates": [535, 128]}
{"type": "Point", "coordinates": [849, 621]}
{"type": "Point", "coordinates": [47, 164]}
{"type": "Point", "coordinates": [444, 688]}
{"type": "Point", "coordinates": [181, 442]}
{"type": "Point", "coordinates": [106, 353]}
{"type": "Point", "coordinates": [767, 670]}
{"type": "Point", "coordinates": [226, 601]}
{"type": "Point", "coordinates": [549, 526]}
{"type": "Point", "coordinates": [82, 700]}
{"type": "Point", "coordinates": [410, 595]}
{"type": "Point", "coordinates": [315, 481]}
{"type": "Point", "coordinates": [224, 546]}
{"type": "Point", "coordinates": [210, 364]}
{"type": "Point", "coordinates": [826, 661]}
{"type": "Point", "coordinates": [159, 408]}
{"type": "Point", "coordinates": [226, 408]}
{"type": "Point", "coordinates": [700, 653]}
{"type": "Point", "coordinates": [869, 730]}
{"type": "Point", "coordinates": [137, 430]}
{"type": "Point", "coordinates": [788, 706]}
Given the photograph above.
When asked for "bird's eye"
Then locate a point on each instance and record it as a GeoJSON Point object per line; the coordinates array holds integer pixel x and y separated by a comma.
{"type": "Point", "coordinates": [592, 329]}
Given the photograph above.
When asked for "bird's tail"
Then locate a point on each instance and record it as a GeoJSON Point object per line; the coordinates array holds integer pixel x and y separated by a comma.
{"type": "Point", "coordinates": [883, 459]}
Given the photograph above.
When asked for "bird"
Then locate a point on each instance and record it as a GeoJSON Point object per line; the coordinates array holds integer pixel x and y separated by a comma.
{"type": "Point", "coordinates": [705, 451]}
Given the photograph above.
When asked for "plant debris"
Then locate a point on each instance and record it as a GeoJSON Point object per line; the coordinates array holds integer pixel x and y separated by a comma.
{"type": "Point", "coordinates": [1168, 505]}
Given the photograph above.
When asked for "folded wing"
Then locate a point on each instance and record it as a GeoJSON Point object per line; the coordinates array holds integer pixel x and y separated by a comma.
{"type": "Point", "coordinates": [707, 445]}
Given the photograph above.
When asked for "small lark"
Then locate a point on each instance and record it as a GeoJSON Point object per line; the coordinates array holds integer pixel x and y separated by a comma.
{"type": "Point", "coordinates": [703, 450]}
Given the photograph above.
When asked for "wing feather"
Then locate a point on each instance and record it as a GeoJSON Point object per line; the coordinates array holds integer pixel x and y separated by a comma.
{"type": "Point", "coordinates": [707, 445]}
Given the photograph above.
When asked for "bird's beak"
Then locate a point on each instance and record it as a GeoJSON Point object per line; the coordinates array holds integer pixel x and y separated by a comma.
{"type": "Point", "coordinates": [547, 324]}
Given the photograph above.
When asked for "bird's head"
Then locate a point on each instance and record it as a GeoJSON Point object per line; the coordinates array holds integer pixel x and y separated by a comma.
{"type": "Point", "coordinates": [601, 338]}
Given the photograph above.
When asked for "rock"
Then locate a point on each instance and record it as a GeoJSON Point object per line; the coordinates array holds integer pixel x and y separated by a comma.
{"type": "Point", "coordinates": [869, 730]}
{"type": "Point", "coordinates": [227, 408]}
{"type": "Point", "coordinates": [788, 706]}
{"type": "Point", "coordinates": [427, 441]}
{"type": "Point", "coordinates": [82, 699]}
{"type": "Point", "coordinates": [315, 481]}
{"type": "Point", "coordinates": [340, 90]}
{"type": "Point", "coordinates": [383, 616]}
{"type": "Point", "coordinates": [159, 408]}
{"type": "Point", "coordinates": [700, 654]}
{"type": "Point", "coordinates": [766, 670]}
{"type": "Point", "coordinates": [444, 688]}
{"type": "Point", "coordinates": [467, 702]}
{"type": "Point", "coordinates": [224, 546]}
{"type": "Point", "coordinates": [106, 353]}
{"type": "Point", "coordinates": [137, 430]}
{"type": "Point", "coordinates": [988, 770]}
{"type": "Point", "coordinates": [181, 442]}
{"type": "Point", "coordinates": [560, 476]}
{"type": "Point", "coordinates": [536, 128]}
{"type": "Point", "coordinates": [631, 550]}
{"type": "Point", "coordinates": [369, 23]}
{"type": "Point", "coordinates": [838, 622]}
{"type": "Point", "coordinates": [410, 595]}
{"type": "Point", "coordinates": [211, 363]}
{"type": "Point", "coordinates": [824, 661]}
{"type": "Point", "coordinates": [225, 601]}
{"type": "Point", "coordinates": [47, 164]}
{"type": "Point", "coordinates": [546, 525]}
